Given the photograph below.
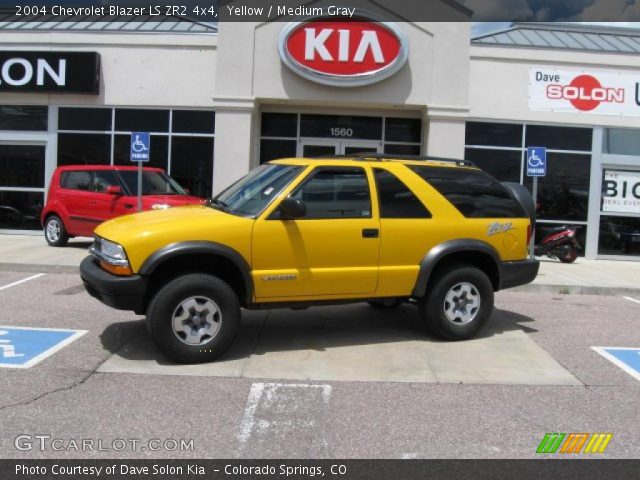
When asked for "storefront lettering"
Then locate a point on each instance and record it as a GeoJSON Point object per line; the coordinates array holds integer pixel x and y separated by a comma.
{"type": "Point", "coordinates": [610, 189]}
{"type": "Point", "coordinates": [19, 71]}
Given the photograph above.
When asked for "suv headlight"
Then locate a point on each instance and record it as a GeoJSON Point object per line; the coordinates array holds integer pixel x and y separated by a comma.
{"type": "Point", "coordinates": [112, 256]}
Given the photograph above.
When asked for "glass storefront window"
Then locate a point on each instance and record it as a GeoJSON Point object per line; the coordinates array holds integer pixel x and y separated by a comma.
{"type": "Point", "coordinates": [191, 164]}
{"type": "Point", "coordinates": [559, 138]}
{"type": "Point", "coordinates": [401, 149]}
{"type": "Point", "coordinates": [341, 126]}
{"type": "Point", "coordinates": [279, 125]}
{"type": "Point", "coordinates": [403, 130]}
{"type": "Point", "coordinates": [502, 164]}
{"type": "Point", "coordinates": [274, 149]}
{"type": "Point", "coordinates": [193, 121]}
{"type": "Point", "coordinates": [84, 149]}
{"type": "Point", "coordinates": [23, 117]}
{"type": "Point", "coordinates": [22, 166]}
{"type": "Point", "coordinates": [94, 119]}
{"type": "Point", "coordinates": [621, 141]}
{"type": "Point", "coordinates": [494, 134]}
{"type": "Point", "coordinates": [619, 236]}
{"type": "Point", "coordinates": [138, 120]}
{"type": "Point", "coordinates": [21, 210]}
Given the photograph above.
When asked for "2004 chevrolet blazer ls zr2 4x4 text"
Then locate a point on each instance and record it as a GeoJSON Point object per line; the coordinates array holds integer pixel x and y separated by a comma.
{"type": "Point", "coordinates": [299, 232]}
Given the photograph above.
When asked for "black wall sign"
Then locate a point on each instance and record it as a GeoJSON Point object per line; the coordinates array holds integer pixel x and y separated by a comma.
{"type": "Point", "coordinates": [54, 72]}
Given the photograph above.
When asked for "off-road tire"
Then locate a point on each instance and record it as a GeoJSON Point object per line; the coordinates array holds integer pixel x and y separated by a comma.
{"type": "Point", "coordinates": [165, 302]}
{"type": "Point", "coordinates": [432, 306]}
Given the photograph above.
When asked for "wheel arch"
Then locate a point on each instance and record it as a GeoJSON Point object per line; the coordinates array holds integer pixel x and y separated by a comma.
{"type": "Point", "coordinates": [465, 250]}
{"type": "Point", "coordinates": [198, 257]}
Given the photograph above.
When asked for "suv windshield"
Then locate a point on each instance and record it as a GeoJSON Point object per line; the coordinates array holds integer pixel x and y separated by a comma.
{"type": "Point", "coordinates": [252, 193]}
{"type": "Point", "coordinates": [153, 183]}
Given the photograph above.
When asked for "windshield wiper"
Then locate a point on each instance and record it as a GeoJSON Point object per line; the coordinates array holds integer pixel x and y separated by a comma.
{"type": "Point", "coordinates": [219, 203]}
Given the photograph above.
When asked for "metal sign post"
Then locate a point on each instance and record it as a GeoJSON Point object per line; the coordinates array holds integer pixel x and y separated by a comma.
{"type": "Point", "coordinates": [536, 167]}
{"type": "Point", "coordinates": [140, 150]}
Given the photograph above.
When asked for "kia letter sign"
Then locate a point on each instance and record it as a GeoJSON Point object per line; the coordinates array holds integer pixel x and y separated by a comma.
{"type": "Point", "coordinates": [343, 53]}
{"type": "Point", "coordinates": [579, 91]}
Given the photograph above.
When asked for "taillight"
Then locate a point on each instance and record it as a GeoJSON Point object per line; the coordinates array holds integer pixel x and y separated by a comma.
{"type": "Point", "coordinates": [528, 233]}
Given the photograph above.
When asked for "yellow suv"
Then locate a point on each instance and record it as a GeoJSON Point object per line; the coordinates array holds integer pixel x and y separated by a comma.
{"type": "Point", "coordinates": [299, 232]}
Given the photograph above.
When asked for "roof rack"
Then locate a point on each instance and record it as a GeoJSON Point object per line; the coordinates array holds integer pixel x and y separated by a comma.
{"type": "Point", "coordinates": [381, 157]}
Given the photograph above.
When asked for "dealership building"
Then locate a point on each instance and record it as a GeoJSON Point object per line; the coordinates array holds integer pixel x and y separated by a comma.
{"type": "Point", "coordinates": [219, 101]}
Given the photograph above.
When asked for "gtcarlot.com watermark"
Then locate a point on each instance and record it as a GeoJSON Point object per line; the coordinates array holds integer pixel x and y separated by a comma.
{"type": "Point", "coordinates": [41, 443]}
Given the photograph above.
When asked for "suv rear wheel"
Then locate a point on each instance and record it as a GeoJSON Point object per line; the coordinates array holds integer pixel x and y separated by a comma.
{"type": "Point", "coordinates": [54, 231]}
{"type": "Point", "coordinates": [194, 318]}
{"type": "Point", "coordinates": [458, 303]}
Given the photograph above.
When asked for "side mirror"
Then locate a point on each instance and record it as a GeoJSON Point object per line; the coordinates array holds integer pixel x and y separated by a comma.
{"type": "Point", "coordinates": [114, 190]}
{"type": "Point", "coordinates": [292, 208]}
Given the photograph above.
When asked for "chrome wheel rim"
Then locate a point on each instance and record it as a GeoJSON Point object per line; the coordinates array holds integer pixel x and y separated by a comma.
{"type": "Point", "coordinates": [196, 320]}
{"type": "Point", "coordinates": [53, 230]}
{"type": "Point", "coordinates": [462, 303]}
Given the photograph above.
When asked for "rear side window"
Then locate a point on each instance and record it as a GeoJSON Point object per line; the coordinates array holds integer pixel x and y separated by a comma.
{"type": "Point", "coordinates": [79, 180]}
{"type": "Point", "coordinates": [396, 200]}
{"type": "Point", "coordinates": [473, 192]}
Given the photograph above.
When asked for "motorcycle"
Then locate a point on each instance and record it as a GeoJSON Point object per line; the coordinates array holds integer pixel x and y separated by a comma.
{"type": "Point", "coordinates": [558, 242]}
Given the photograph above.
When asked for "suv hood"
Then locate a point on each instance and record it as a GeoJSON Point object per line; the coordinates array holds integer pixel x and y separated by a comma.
{"type": "Point", "coordinates": [143, 233]}
{"type": "Point", "coordinates": [149, 201]}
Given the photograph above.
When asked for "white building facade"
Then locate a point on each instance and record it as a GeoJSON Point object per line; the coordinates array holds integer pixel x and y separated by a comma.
{"type": "Point", "coordinates": [220, 102]}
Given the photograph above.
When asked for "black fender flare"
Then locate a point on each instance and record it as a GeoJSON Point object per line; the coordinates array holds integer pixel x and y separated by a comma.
{"type": "Point", "coordinates": [437, 253]}
{"type": "Point", "coordinates": [198, 248]}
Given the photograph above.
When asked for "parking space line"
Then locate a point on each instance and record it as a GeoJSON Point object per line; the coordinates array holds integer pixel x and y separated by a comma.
{"type": "Point", "coordinates": [632, 299]}
{"type": "Point", "coordinates": [32, 277]}
{"type": "Point", "coordinates": [616, 361]}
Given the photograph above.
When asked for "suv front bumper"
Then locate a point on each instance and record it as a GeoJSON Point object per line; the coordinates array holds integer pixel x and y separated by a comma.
{"type": "Point", "coordinates": [517, 273]}
{"type": "Point", "coordinates": [122, 293]}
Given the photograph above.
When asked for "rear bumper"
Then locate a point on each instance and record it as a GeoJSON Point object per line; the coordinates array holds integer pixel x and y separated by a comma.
{"type": "Point", "coordinates": [122, 293]}
{"type": "Point", "coordinates": [517, 273]}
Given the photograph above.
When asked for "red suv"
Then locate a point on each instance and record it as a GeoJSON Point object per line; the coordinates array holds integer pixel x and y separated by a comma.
{"type": "Point", "coordinates": [81, 197]}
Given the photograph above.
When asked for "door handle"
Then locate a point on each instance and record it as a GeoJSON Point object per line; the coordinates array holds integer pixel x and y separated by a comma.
{"type": "Point", "coordinates": [370, 233]}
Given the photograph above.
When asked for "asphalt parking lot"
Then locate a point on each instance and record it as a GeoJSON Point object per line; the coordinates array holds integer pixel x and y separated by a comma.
{"type": "Point", "coordinates": [337, 382]}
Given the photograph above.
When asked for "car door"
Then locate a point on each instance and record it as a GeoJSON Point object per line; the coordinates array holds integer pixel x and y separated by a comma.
{"type": "Point", "coordinates": [330, 252]}
{"type": "Point", "coordinates": [75, 189]}
{"type": "Point", "coordinates": [105, 205]}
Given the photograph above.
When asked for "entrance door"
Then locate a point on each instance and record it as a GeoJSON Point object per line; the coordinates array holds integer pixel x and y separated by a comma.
{"type": "Point", "coordinates": [310, 148]}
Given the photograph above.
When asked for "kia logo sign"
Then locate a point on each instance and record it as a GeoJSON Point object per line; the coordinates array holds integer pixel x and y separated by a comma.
{"type": "Point", "coordinates": [343, 53]}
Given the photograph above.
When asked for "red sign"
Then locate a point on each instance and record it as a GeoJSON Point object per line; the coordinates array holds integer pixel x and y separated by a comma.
{"type": "Point", "coordinates": [342, 52]}
{"type": "Point", "coordinates": [585, 93]}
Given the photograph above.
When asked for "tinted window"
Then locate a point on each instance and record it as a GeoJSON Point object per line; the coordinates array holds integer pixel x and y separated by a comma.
{"type": "Point", "coordinates": [193, 121]}
{"type": "Point", "coordinates": [336, 193]}
{"type": "Point", "coordinates": [23, 117]}
{"type": "Point", "coordinates": [474, 193]}
{"type": "Point", "coordinates": [279, 125]}
{"type": "Point", "coordinates": [192, 163]}
{"type": "Point", "coordinates": [403, 130]}
{"type": "Point", "coordinates": [21, 166]}
{"type": "Point", "coordinates": [559, 138]}
{"type": "Point", "coordinates": [98, 119]}
{"type": "Point", "coordinates": [21, 210]}
{"type": "Point", "coordinates": [80, 180]}
{"type": "Point", "coordinates": [84, 149]}
{"type": "Point", "coordinates": [396, 200]}
{"type": "Point", "coordinates": [153, 183]}
{"type": "Point", "coordinates": [274, 149]}
{"type": "Point", "coordinates": [622, 141]}
{"type": "Point", "coordinates": [494, 134]}
{"type": "Point", "coordinates": [133, 120]}
{"type": "Point", "coordinates": [159, 151]}
{"type": "Point", "coordinates": [619, 236]}
{"type": "Point", "coordinates": [103, 179]}
{"type": "Point", "coordinates": [502, 164]}
{"type": "Point", "coordinates": [401, 149]}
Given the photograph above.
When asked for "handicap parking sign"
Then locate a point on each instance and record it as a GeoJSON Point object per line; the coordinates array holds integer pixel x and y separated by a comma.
{"type": "Point", "coordinates": [628, 359]}
{"type": "Point", "coordinates": [140, 146]}
{"type": "Point", "coordinates": [23, 347]}
{"type": "Point", "coordinates": [536, 161]}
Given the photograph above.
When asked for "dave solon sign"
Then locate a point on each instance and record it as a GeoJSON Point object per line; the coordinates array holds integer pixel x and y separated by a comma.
{"type": "Point", "coordinates": [343, 53]}
{"type": "Point", "coordinates": [49, 72]}
{"type": "Point", "coordinates": [584, 91]}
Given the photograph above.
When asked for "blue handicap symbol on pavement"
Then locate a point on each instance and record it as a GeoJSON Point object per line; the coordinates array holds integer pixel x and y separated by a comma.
{"type": "Point", "coordinates": [628, 359]}
{"type": "Point", "coordinates": [22, 347]}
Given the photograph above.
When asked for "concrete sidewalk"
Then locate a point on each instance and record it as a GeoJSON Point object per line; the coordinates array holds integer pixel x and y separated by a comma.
{"type": "Point", "coordinates": [27, 253]}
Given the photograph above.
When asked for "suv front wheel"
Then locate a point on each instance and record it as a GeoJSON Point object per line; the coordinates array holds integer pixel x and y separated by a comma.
{"type": "Point", "coordinates": [458, 303]}
{"type": "Point", "coordinates": [194, 318]}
